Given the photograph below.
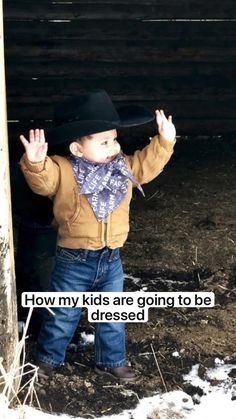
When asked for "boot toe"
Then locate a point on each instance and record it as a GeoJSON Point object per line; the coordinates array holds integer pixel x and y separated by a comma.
{"type": "Point", "coordinates": [123, 373]}
{"type": "Point", "coordinates": [45, 370]}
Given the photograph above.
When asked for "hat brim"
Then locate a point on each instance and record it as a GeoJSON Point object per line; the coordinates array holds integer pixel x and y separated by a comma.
{"type": "Point", "coordinates": [129, 116]}
{"type": "Point", "coordinates": [134, 115]}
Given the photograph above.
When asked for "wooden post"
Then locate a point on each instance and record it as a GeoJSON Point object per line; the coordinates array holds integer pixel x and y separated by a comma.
{"type": "Point", "coordinates": [8, 316]}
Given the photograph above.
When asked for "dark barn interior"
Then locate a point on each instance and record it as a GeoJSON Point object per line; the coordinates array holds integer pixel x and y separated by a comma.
{"type": "Point", "coordinates": [179, 56]}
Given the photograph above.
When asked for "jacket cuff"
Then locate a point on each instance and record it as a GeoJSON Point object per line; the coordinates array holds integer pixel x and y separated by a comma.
{"type": "Point", "coordinates": [33, 167]}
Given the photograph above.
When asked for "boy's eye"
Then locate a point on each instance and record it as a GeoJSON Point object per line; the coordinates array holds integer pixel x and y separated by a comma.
{"type": "Point", "coordinates": [106, 142]}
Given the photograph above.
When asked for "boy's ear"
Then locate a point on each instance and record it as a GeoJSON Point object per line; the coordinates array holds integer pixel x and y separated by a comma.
{"type": "Point", "coordinates": [76, 149]}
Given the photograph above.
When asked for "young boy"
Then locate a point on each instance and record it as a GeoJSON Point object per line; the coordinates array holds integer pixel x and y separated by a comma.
{"type": "Point", "coordinates": [91, 192]}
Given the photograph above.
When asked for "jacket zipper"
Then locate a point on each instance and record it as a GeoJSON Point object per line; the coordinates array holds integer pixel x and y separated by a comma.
{"type": "Point", "coordinates": [106, 230]}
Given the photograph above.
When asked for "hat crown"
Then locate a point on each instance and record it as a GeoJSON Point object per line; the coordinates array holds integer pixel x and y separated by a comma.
{"type": "Point", "coordinates": [90, 113]}
{"type": "Point", "coordinates": [92, 106]}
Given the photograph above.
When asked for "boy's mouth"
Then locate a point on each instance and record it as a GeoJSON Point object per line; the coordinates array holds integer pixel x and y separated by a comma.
{"type": "Point", "coordinates": [108, 159]}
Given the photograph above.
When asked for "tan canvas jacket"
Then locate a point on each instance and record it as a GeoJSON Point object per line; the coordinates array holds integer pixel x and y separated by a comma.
{"type": "Point", "coordinates": [78, 227]}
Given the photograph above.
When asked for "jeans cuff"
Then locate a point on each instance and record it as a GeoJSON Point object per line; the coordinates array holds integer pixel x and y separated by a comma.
{"type": "Point", "coordinates": [47, 360]}
{"type": "Point", "coordinates": [111, 364]}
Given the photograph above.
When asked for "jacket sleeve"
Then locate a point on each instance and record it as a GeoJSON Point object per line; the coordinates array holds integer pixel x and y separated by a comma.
{"type": "Point", "coordinates": [147, 163]}
{"type": "Point", "coordinates": [42, 177]}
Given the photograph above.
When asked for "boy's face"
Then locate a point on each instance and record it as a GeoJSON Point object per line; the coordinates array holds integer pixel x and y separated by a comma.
{"type": "Point", "coordinates": [101, 147]}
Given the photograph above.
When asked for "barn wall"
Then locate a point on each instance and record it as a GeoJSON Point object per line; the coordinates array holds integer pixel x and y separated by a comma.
{"type": "Point", "coordinates": [179, 55]}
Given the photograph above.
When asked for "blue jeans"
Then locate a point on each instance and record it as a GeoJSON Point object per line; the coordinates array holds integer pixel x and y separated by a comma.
{"type": "Point", "coordinates": [79, 270]}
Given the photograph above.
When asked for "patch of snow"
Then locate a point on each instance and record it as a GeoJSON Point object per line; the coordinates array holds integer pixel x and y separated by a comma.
{"type": "Point", "coordinates": [87, 338]}
{"type": "Point", "coordinates": [134, 279]}
{"type": "Point", "coordinates": [219, 361]}
{"type": "Point", "coordinates": [193, 378]}
{"type": "Point", "coordinates": [218, 401]}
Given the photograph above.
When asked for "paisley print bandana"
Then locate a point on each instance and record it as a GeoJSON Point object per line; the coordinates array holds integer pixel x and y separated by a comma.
{"type": "Point", "coordinates": [104, 184]}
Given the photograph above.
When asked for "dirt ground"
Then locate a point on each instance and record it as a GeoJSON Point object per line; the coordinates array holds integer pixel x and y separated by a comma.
{"type": "Point", "coordinates": [182, 238]}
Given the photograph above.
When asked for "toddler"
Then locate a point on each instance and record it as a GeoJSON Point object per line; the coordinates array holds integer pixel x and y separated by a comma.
{"type": "Point", "coordinates": [91, 192]}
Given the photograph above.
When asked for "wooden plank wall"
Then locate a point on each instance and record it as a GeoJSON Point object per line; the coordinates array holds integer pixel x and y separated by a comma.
{"type": "Point", "coordinates": [179, 55]}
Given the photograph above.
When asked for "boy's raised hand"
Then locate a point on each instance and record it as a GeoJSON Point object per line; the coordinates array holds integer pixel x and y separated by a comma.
{"type": "Point", "coordinates": [36, 148]}
{"type": "Point", "coordinates": [166, 127]}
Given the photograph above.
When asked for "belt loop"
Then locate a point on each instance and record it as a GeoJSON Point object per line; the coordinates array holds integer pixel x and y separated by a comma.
{"type": "Point", "coordinates": [112, 251]}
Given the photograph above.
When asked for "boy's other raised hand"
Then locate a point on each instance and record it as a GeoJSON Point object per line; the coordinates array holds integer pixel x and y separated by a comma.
{"type": "Point", "coordinates": [36, 148]}
{"type": "Point", "coordinates": [166, 127]}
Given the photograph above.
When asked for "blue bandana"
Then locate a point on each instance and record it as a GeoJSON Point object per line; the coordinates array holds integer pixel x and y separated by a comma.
{"type": "Point", "coordinates": [104, 184]}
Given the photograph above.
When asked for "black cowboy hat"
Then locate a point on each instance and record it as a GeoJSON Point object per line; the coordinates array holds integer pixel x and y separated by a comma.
{"type": "Point", "coordinates": [93, 112]}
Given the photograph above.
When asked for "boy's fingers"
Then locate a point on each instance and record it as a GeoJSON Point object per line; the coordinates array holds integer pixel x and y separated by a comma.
{"type": "Point", "coordinates": [23, 140]}
{"type": "Point", "coordinates": [161, 118]}
{"type": "Point", "coordinates": [31, 135]}
{"type": "Point", "coordinates": [163, 115]}
{"type": "Point", "coordinates": [36, 135]}
{"type": "Point", "coordinates": [41, 136]}
{"type": "Point", "coordinates": [158, 116]}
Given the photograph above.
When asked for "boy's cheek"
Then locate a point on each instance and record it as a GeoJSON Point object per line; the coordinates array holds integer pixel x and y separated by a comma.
{"type": "Point", "coordinates": [118, 148]}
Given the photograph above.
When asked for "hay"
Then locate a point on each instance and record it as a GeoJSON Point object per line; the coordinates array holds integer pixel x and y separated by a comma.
{"type": "Point", "coordinates": [11, 381]}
